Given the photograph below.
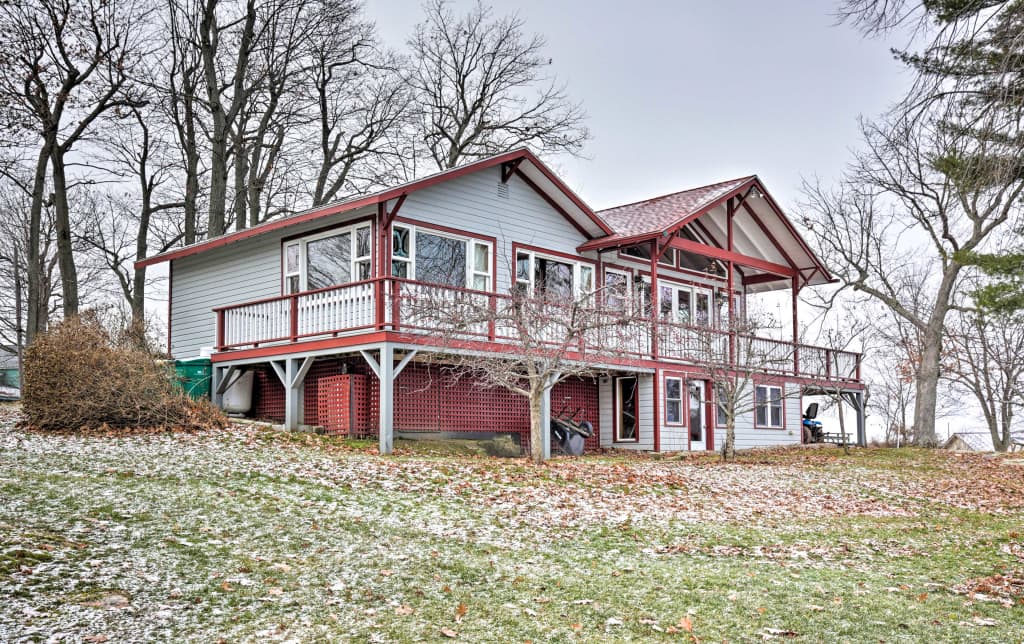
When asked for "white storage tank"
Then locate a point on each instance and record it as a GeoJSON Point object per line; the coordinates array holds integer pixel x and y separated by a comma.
{"type": "Point", "coordinates": [237, 398]}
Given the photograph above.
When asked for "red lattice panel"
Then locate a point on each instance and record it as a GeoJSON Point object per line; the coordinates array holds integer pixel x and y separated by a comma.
{"type": "Point", "coordinates": [426, 400]}
{"type": "Point", "coordinates": [343, 404]}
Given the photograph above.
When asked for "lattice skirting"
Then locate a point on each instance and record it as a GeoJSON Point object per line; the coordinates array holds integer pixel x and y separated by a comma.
{"type": "Point", "coordinates": [426, 400]}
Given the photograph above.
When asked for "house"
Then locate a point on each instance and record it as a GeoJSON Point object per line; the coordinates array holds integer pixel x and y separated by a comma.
{"type": "Point", "coordinates": [315, 305]}
{"type": "Point", "coordinates": [981, 442]}
{"type": "Point", "coordinates": [10, 375]}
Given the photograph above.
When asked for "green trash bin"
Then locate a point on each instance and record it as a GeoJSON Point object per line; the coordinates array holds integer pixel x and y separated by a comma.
{"type": "Point", "coordinates": [194, 376]}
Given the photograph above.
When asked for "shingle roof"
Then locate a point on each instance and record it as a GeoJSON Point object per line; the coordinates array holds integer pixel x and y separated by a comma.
{"type": "Point", "coordinates": [655, 215]}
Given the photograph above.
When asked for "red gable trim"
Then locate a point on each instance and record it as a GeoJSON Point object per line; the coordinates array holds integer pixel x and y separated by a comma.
{"type": "Point", "coordinates": [397, 192]}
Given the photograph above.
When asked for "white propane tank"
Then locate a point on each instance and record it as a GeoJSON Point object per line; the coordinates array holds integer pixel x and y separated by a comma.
{"type": "Point", "coordinates": [238, 397]}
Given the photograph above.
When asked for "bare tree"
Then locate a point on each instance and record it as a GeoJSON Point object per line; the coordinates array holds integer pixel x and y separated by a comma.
{"type": "Point", "coordinates": [736, 360]}
{"type": "Point", "coordinates": [986, 358]}
{"type": "Point", "coordinates": [892, 228]}
{"type": "Point", "coordinates": [65, 65]}
{"type": "Point", "coordinates": [551, 335]}
{"type": "Point", "coordinates": [481, 86]}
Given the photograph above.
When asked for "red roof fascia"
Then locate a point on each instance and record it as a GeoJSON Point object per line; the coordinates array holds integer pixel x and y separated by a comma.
{"type": "Point", "coordinates": [374, 199]}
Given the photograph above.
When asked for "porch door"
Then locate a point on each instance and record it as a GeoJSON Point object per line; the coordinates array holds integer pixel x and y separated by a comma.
{"type": "Point", "coordinates": [626, 420]}
{"type": "Point", "coordinates": [696, 405]}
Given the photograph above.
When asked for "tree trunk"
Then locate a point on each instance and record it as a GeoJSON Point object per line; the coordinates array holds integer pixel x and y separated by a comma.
{"type": "Point", "coordinates": [536, 424]}
{"type": "Point", "coordinates": [241, 168]}
{"type": "Point", "coordinates": [62, 220]}
{"type": "Point", "coordinates": [729, 446]}
{"type": "Point", "coordinates": [37, 302]}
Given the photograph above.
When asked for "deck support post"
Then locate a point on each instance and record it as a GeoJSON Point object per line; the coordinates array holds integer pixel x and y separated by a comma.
{"type": "Point", "coordinates": [386, 375]}
{"type": "Point", "coordinates": [862, 438]}
{"type": "Point", "coordinates": [216, 393]}
{"type": "Point", "coordinates": [293, 377]}
{"type": "Point", "coordinates": [545, 415]}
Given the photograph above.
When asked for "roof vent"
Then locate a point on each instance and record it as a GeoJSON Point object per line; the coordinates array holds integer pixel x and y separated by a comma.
{"type": "Point", "coordinates": [503, 190]}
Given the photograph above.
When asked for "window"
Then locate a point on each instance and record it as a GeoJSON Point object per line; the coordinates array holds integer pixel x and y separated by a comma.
{"type": "Point", "coordinates": [616, 289]}
{"type": "Point", "coordinates": [626, 422]}
{"type": "Point", "coordinates": [674, 401]}
{"type": "Point", "coordinates": [768, 406]}
{"type": "Point", "coordinates": [332, 258]}
{"type": "Point", "coordinates": [639, 252]}
{"type": "Point", "coordinates": [329, 261]}
{"type": "Point", "coordinates": [721, 416]}
{"type": "Point", "coordinates": [481, 266]}
{"type": "Point", "coordinates": [440, 258]}
{"type": "Point", "coordinates": [292, 272]}
{"type": "Point", "coordinates": [557, 279]}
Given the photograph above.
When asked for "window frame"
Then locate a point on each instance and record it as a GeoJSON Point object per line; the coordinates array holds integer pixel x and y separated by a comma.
{"type": "Point", "coordinates": [302, 241]}
{"type": "Point", "coordinates": [617, 415]}
{"type": "Point", "coordinates": [768, 404]}
{"type": "Point", "coordinates": [471, 241]}
{"type": "Point", "coordinates": [683, 412]}
{"type": "Point", "coordinates": [578, 264]}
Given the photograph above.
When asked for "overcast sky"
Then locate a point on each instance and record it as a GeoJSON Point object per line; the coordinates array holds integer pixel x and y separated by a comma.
{"type": "Point", "coordinates": [686, 93]}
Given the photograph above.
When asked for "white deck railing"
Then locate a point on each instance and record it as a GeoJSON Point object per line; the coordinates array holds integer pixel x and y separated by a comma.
{"type": "Point", "coordinates": [446, 312]}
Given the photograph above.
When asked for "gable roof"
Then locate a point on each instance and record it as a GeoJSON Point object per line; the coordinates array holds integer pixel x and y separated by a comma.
{"type": "Point", "coordinates": [651, 216]}
{"type": "Point", "coordinates": [522, 162]}
{"type": "Point", "coordinates": [761, 230]}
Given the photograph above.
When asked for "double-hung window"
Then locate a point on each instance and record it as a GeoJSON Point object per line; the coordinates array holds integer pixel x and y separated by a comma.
{"type": "Point", "coordinates": [332, 258]}
{"type": "Point", "coordinates": [768, 406]}
{"type": "Point", "coordinates": [434, 257]}
{"type": "Point", "coordinates": [673, 400]}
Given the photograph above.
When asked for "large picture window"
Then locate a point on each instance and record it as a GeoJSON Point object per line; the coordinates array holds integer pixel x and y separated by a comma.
{"type": "Point", "coordinates": [768, 406]}
{"type": "Point", "coordinates": [434, 257]}
{"type": "Point", "coordinates": [331, 258]}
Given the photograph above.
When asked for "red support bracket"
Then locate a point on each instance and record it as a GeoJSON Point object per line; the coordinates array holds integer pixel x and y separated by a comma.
{"type": "Point", "coordinates": [389, 215]}
{"type": "Point", "coordinates": [508, 169]}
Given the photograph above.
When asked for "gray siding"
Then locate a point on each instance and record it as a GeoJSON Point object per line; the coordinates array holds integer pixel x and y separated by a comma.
{"type": "Point", "coordinates": [472, 203]}
{"type": "Point", "coordinates": [240, 272]}
{"type": "Point", "coordinates": [251, 269]}
{"type": "Point", "coordinates": [646, 413]}
{"type": "Point", "coordinates": [675, 438]}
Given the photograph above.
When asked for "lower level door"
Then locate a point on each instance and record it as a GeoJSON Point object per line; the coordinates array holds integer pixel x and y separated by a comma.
{"type": "Point", "coordinates": [626, 397]}
{"type": "Point", "coordinates": [696, 405]}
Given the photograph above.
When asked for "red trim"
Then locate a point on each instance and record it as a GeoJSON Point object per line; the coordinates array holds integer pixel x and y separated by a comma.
{"type": "Point", "coordinates": [655, 411]}
{"type": "Point", "coordinates": [709, 413]}
{"type": "Point", "coordinates": [324, 229]}
{"type": "Point", "coordinates": [781, 386]}
{"type": "Point", "coordinates": [453, 231]}
{"type": "Point", "coordinates": [719, 253]}
{"type": "Point", "coordinates": [170, 298]}
{"type": "Point", "coordinates": [371, 200]}
{"type": "Point", "coordinates": [615, 410]}
{"type": "Point", "coordinates": [681, 377]}
{"type": "Point", "coordinates": [352, 223]}
{"type": "Point", "coordinates": [687, 271]}
{"type": "Point", "coordinates": [445, 229]}
{"type": "Point", "coordinates": [564, 189]}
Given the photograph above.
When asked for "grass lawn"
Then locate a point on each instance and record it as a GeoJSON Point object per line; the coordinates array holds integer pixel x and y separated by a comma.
{"type": "Point", "coordinates": [248, 534]}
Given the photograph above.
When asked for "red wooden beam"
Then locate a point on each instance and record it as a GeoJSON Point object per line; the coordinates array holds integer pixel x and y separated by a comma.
{"type": "Point", "coordinates": [730, 256]}
{"type": "Point", "coordinates": [508, 169]}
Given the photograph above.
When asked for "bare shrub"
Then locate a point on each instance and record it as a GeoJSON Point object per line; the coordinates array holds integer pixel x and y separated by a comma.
{"type": "Point", "coordinates": [78, 377]}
